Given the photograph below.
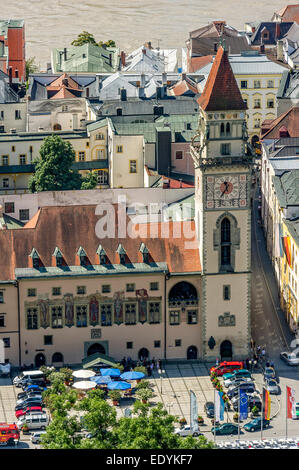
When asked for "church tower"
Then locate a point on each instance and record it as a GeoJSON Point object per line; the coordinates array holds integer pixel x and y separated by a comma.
{"type": "Point", "coordinates": [223, 214]}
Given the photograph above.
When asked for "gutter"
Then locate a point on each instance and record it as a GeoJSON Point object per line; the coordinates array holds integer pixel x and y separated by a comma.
{"type": "Point", "coordinates": [16, 284]}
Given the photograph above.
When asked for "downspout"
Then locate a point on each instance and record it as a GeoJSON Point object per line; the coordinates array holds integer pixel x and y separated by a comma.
{"type": "Point", "coordinates": [19, 321]}
{"type": "Point", "coordinates": [167, 275]}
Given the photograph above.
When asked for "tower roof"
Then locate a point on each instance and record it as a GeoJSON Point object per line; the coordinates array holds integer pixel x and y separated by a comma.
{"type": "Point", "coordinates": [221, 91]}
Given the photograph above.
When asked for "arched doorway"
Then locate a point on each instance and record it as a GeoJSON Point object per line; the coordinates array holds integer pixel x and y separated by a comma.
{"type": "Point", "coordinates": [40, 360]}
{"type": "Point", "coordinates": [226, 350]}
{"type": "Point", "coordinates": [57, 357]}
{"type": "Point", "coordinates": [192, 352]}
{"type": "Point", "coordinates": [143, 354]}
{"type": "Point", "coordinates": [57, 127]}
{"type": "Point", "coordinates": [96, 348]}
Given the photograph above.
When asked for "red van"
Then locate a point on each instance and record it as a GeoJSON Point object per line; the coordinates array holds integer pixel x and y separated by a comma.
{"type": "Point", "coordinates": [9, 434]}
{"type": "Point", "coordinates": [227, 367]}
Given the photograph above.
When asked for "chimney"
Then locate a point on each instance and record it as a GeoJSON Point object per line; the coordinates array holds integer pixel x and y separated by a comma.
{"type": "Point", "coordinates": [165, 184]}
{"type": "Point", "coordinates": [180, 183]}
{"type": "Point", "coordinates": [262, 49]}
{"type": "Point", "coordinates": [65, 54]}
{"type": "Point", "coordinates": [110, 60]}
{"type": "Point", "coordinates": [123, 58]}
{"type": "Point", "coordinates": [184, 75]}
{"type": "Point", "coordinates": [277, 31]}
{"type": "Point", "coordinates": [10, 75]}
{"type": "Point", "coordinates": [164, 78]}
{"type": "Point", "coordinates": [279, 50]}
{"type": "Point", "coordinates": [144, 51]}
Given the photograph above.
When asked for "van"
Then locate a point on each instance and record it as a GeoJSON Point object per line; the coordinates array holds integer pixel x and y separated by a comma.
{"type": "Point", "coordinates": [227, 367]}
{"type": "Point", "coordinates": [34, 421]}
{"type": "Point", "coordinates": [29, 375]}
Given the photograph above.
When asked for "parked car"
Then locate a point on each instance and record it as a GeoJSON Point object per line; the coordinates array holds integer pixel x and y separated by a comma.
{"type": "Point", "coordinates": [209, 409]}
{"type": "Point", "coordinates": [236, 381]}
{"type": "Point", "coordinates": [187, 431]}
{"type": "Point", "coordinates": [28, 410]}
{"type": "Point", "coordinates": [296, 411]}
{"type": "Point", "coordinates": [36, 437]}
{"type": "Point", "coordinates": [269, 373]}
{"type": "Point", "coordinates": [256, 424]}
{"type": "Point", "coordinates": [272, 386]}
{"type": "Point", "coordinates": [29, 403]}
{"type": "Point", "coordinates": [27, 382]}
{"type": "Point", "coordinates": [237, 373]}
{"type": "Point", "coordinates": [5, 369]}
{"type": "Point", "coordinates": [35, 421]}
{"type": "Point", "coordinates": [253, 400]}
{"type": "Point", "coordinates": [226, 367]}
{"type": "Point", "coordinates": [29, 397]}
{"type": "Point", "coordinates": [30, 393]}
{"type": "Point", "coordinates": [27, 376]}
{"type": "Point", "coordinates": [291, 359]}
{"type": "Point", "coordinates": [224, 429]}
{"type": "Point", "coordinates": [248, 387]}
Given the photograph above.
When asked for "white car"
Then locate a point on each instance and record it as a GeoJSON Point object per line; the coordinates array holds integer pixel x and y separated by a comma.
{"type": "Point", "coordinates": [36, 437]}
{"type": "Point", "coordinates": [236, 381]}
{"type": "Point", "coordinates": [291, 359]}
{"type": "Point", "coordinates": [187, 431]}
{"type": "Point", "coordinates": [5, 370]}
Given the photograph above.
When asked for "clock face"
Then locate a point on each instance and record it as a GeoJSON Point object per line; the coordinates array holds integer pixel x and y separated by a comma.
{"type": "Point", "coordinates": [226, 191]}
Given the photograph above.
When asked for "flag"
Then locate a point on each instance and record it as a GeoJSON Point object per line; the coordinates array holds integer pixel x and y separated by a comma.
{"type": "Point", "coordinates": [287, 249]}
{"type": "Point", "coordinates": [243, 404]}
{"type": "Point", "coordinates": [278, 248]}
{"type": "Point", "coordinates": [291, 401]}
{"type": "Point", "coordinates": [219, 406]}
{"type": "Point", "coordinates": [266, 404]}
{"type": "Point", "coordinates": [193, 412]}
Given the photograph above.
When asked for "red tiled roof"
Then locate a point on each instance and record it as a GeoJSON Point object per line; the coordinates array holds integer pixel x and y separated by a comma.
{"type": "Point", "coordinates": [289, 13]}
{"type": "Point", "coordinates": [289, 120]}
{"type": "Point", "coordinates": [182, 87]}
{"type": "Point", "coordinates": [221, 91]}
{"type": "Point", "coordinates": [175, 184]}
{"type": "Point", "coordinates": [198, 63]}
{"type": "Point", "coordinates": [69, 227]}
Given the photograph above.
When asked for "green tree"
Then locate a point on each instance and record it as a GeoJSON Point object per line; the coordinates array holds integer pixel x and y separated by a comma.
{"type": "Point", "coordinates": [109, 43]}
{"type": "Point", "coordinates": [90, 181]}
{"type": "Point", "coordinates": [61, 433]}
{"type": "Point", "coordinates": [53, 168]}
{"type": "Point", "coordinates": [31, 67]}
{"type": "Point", "coordinates": [84, 38]}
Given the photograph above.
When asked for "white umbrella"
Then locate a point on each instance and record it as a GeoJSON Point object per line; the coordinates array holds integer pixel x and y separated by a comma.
{"type": "Point", "coordinates": [83, 374]}
{"type": "Point", "coordinates": [84, 385]}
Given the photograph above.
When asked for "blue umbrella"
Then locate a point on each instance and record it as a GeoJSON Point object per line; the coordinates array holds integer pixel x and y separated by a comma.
{"type": "Point", "coordinates": [132, 375]}
{"type": "Point", "coordinates": [119, 386]}
{"type": "Point", "coordinates": [110, 372]}
{"type": "Point", "coordinates": [101, 380]}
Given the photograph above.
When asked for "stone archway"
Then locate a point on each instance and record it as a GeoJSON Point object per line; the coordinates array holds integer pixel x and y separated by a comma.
{"type": "Point", "coordinates": [96, 348]}
{"type": "Point", "coordinates": [143, 353]}
{"type": "Point", "coordinates": [40, 360]}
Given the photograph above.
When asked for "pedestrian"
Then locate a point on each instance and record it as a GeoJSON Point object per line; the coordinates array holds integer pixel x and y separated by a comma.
{"type": "Point", "coordinates": [258, 350]}
{"type": "Point", "coordinates": [217, 362]}
{"type": "Point", "coordinates": [149, 371]}
{"type": "Point", "coordinates": [152, 366]}
{"type": "Point", "coordinates": [160, 364]}
{"type": "Point", "coordinates": [247, 363]}
{"type": "Point", "coordinates": [263, 353]}
{"type": "Point", "coordinates": [158, 368]}
{"type": "Point", "coordinates": [272, 364]}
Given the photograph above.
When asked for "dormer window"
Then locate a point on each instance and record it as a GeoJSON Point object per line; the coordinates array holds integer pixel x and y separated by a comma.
{"type": "Point", "coordinates": [122, 254]}
{"type": "Point", "coordinates": [58, 257]}
{"type": "Point", "coordinates": [102, 254]}
{"type": "Point", "coordinates": [35, 258]}
{"type": "Point", "coordinates": [145, 253]}
{"type": "Point", "coordinates": [82, 256]}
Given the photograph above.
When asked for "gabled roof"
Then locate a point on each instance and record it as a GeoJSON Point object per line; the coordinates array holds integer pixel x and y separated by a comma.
{"type": "Point", "coordinates": [289, 13]}
{"type": "Point", "coordinates": [289, 120]}
{"type": "Point", "coordinates": [221, 91]}
{"type": "Point", "coordinates": [276, 31]}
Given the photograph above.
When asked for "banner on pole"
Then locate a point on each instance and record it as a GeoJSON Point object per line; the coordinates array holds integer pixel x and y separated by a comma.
{"type": "Point", "coordinates": [193, 412]}
{"type": "Point", "coordinates": [267, 404]}
{"type": "Point", "coordinates": [219, 406]}
{"type": "Point", "coordinates": [243, 404]}
{"type": "Point", "coordinates": [291, 403]}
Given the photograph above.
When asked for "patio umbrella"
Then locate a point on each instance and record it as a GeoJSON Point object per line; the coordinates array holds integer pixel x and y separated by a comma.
{"type": "Point", "coordinates": [101, 380]}
{"type": "Point", "coordinates": [84, 385]}
{"type": "Point", "coordinates": [119, 386]}
{"type": "Point", "coordinates": [132, 375]}
{"type": "Point", "coordinates": [110, 372]}
{"type": "Point", "coordinates": [83, 374]}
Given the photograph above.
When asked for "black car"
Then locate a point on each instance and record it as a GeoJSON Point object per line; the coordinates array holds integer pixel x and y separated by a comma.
{"type": "Point", "coordinates": [23, 405]}
{"type": "Point", "coordinates": [29, 394]}
{"type": "Point", "coordinates": [209, 409]}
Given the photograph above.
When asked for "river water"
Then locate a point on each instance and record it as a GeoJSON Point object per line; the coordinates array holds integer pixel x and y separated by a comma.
{"type": "Point", "coordinates": [55, 23]}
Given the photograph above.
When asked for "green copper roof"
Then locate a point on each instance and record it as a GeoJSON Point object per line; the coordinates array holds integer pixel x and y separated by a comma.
{"type": "Point", "coordinates": [287, 188]}
{"type": "Point", "coordinates": [94, 270]}
{"type": "Point", "coordinates": [10, 222]}
{"type": "Point", "coordinates": [86, 58]}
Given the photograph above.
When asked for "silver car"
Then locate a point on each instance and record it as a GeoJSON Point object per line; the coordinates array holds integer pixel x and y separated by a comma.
{"type": "Point", "coordinates": [36, 437]}
{"type": "Point", "coordinates": [272, 386]}
{"type": "Point", "coordinates": [291, 359]}
{"type": "Point", "coordinates": [187, 431]}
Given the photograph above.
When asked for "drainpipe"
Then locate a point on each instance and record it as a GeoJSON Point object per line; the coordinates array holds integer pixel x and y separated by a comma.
{"type": "Point", "coordinates": [167, 276]}
{"type": "Point", "coordinates": [16, 284]}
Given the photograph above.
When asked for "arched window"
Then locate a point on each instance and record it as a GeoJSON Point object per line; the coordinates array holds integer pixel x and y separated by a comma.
{"type": "Point", "coordinates": [57, 357]}
{"type": "Point", "coordinates": [225, 231]}
{"type": "Point", "coordinates": [225, 243]}
{"type": "Point", "coordinates": [227, 128]}
{"type": "Point", "coordinates": [222, 129]}
{"type": "Point", "coordinates": [57, 127]}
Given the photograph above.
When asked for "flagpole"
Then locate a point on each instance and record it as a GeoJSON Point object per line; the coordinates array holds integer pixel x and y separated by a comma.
{"type": "Point", "coordinates": [262, 418]}
{"type": "Point", "coordinates": [286, 412]}
{"type": "Point", "coordinates": [239, 406]}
